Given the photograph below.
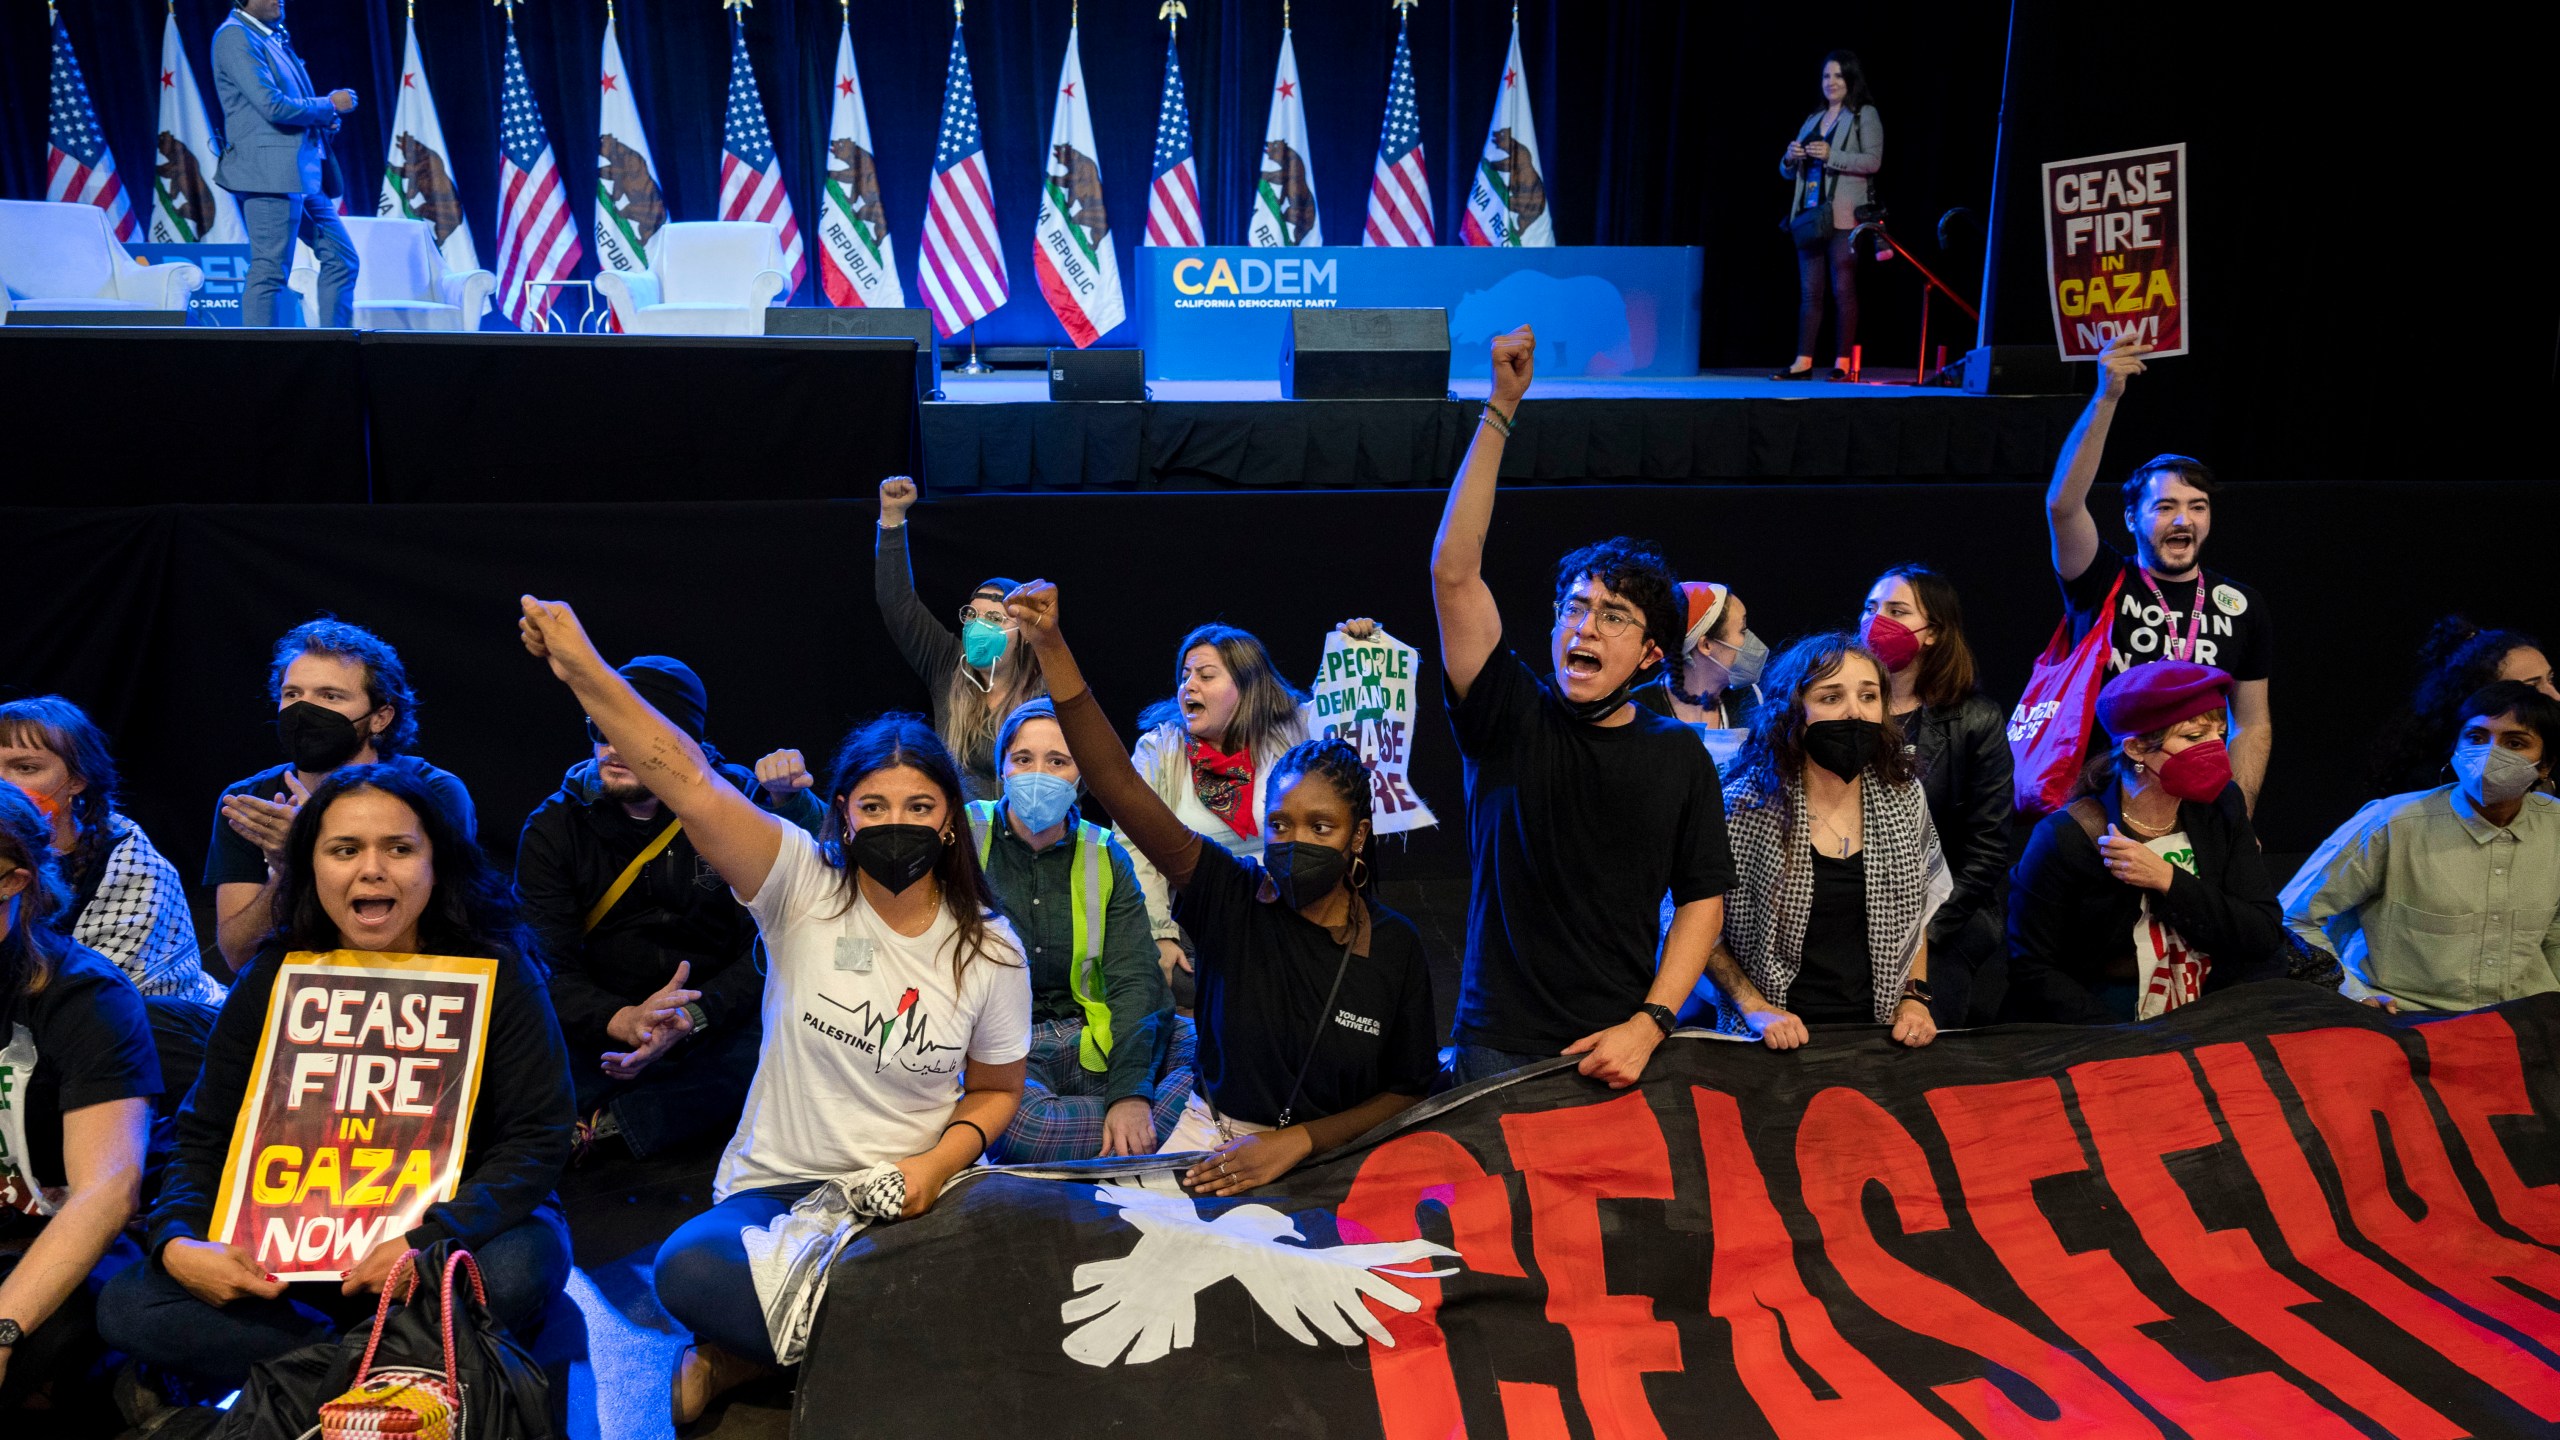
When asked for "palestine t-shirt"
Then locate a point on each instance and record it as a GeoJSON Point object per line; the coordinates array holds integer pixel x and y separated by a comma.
{"type": "Point", "coordinates": [232, 860]}
{"type": "Point", "coordinates": [2235, 633]}
{"type": "Point", "coordinates": [83, 1040]}
{"type": "Point", "coordinates": [1263, 973]}
{"type": "Point", "coordinates": [1574, 832]}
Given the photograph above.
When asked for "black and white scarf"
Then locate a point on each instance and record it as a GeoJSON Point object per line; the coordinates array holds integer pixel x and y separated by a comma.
{"type": "Point", "coordinates": [1766, 911]}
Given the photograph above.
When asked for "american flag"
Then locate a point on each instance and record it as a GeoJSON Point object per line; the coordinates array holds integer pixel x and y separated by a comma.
{"type": "Point", "coordinates": [750, 175]}
{"type": "Point", "coordinates": [963, 270]}
{"type": "Point", "coordinates": [535, 238]}
{"type": "Point", "coordinates": [1400, 190]}
{"type": "Point", "coordinates": [1173, 206]}
{"type": "Point", "coordinates": [77, 166]}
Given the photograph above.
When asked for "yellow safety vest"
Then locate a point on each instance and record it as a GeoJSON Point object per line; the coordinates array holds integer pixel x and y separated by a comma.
{"type": "Point", "coordinates": [1089, 901]}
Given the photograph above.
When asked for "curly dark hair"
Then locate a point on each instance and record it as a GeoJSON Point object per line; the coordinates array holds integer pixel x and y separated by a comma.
{"type": "Point", "coordinates": [2455, 660]}
{"type": "Point", "coordinates": [50, 722]}
{"type": "Point", "coordinates": [34, 947]}
{"type": "Point", "coordinates": [1341, 767]}
{"type": "Point", "coordinates": [1773, 753]}
{"type": "Point", "coordinates": [473, 908]}
{"type": "Point", "coordinates": [386, 680]}
{"type": "Point", "coordinates": [1635, 572]}
{"type": "Point", "coordinates": [904, 739]}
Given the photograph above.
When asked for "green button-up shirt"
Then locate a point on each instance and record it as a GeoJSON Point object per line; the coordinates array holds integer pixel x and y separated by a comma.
{"type": "Point", "coordinates": [2422, 899]}
{"type": "Point", "coordinates": [1037, 894]}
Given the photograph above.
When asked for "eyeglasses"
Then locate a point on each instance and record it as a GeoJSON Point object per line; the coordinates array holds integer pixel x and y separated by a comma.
{"type": "Point", "coordinates": [1611, 623]}
{"type": "Point", "coordinates": [996, 616]}
{"type": "Point", "coordinates": [594, 734]}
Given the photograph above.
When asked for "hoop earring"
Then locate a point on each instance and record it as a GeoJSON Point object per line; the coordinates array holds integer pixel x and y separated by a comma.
{"type": "Point", "coordinates": [1359, 872]}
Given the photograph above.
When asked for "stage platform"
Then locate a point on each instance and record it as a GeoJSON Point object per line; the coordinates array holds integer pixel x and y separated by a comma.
{"type": "Point", "coordinates": [352, 418]}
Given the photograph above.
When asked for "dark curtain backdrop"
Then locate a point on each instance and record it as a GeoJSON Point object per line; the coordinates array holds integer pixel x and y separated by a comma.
{"type": "Point", "coordinates": [1660, 121]}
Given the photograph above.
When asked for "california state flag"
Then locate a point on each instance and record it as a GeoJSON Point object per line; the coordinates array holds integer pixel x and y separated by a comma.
{"type": "Point", "coordinates": [629, 205]}
{"type": "Point", "coordinates": [1079, 271]}
{"type": "Point", "coordinates": [187, 208]}
{"type": "Point", "coordinates": [1507, 205]}
{"type": "Point", "coordinates": [417, 183]}
{"type": "Point", "coordinates": [861, 267]}
{"type": "Point", "coordinates": [1284, 195]}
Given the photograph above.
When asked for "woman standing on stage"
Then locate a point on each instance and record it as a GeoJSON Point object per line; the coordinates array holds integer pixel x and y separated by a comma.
{"type": "Point", "coordinates": [1833, 159]}
{"type": "Point", "coordinates": [976, 676]}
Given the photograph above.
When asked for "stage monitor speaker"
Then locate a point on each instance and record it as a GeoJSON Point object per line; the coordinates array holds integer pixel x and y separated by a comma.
{"type": "Point", "coordinates": [97, 317]}
{"type": "Point", "coordinates": [864, 322]}
{"type": "Point", "coordinates": [1097, 374]}
{"type": "Point", "coordinates": [2018, 370]}
{"type": "Point", "coordinates": [1365, 355]}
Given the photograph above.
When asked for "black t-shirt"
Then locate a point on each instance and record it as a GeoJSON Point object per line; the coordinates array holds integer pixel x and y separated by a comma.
{"type": "Point", "coordinates": [2237, 634]}
{"type": "Point", "coordinates": [1263, 971]}
{"type": "Point", "coordinates": [83, 1040]}
{"type": "Point", "coordinates": [232, 860]}
{"type": "Point", "coordinates": [1836, 985]}
{"type": "Point", "coordinates": [1574, 831]}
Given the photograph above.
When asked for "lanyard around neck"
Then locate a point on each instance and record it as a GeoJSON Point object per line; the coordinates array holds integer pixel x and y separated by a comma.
{"type": "Point", "coordinates": [2177, 649]}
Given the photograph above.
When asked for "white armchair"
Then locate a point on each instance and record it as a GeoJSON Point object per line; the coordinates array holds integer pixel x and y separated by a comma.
{"type": "Point", "coordinates": [63, 257]}
{"type": "Point", "coordinates": [705, 277]}
{"type": "Point", "coordinates": [401, 282]}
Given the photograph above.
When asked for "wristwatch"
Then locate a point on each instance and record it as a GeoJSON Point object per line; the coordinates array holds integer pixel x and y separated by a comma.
{"type": "Point", "coordinates": [1660, 1015]}
{"type": "Point", "coordinates": [1914, 988]}
{"type": "Point", "coordinates": [700, 1017]}
{"type": "Point", "coordinates": [10, 1334]}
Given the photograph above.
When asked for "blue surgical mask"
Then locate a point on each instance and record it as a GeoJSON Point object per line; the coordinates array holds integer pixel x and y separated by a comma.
{"type": "Point", "coordinates": [1038, 800]}
{"type": "Point", "coordinates": [1745, 670]}
{"type": "Point", "coordinates": [982, 643]}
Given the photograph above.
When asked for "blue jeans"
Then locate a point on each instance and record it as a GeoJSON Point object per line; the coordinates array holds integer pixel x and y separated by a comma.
{"type": "Point", "coordinates": [160, 1322]}
{"type": "Point", "coordinates": [1471, 1063]}
{"type": "Point", "coordinates": [702, 1274]}
{"type": "Point", "coordinates": [274, 222]}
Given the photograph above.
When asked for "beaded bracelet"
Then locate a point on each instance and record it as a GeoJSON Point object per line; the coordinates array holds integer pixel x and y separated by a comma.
{"type": "Point", "coordinates": [1501, 422]}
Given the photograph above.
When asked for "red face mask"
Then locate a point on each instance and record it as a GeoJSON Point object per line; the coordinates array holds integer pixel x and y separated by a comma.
{"type": "Point", "coordinates": [51, 806]}
{"type": "Point", "coordinates": [1893, 642]}
{"type": "Point", "coordinates": [2196, 773]}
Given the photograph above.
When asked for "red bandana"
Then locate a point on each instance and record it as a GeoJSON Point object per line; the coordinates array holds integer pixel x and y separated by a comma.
{"type": "Point", "coordinates": [1224, 784]}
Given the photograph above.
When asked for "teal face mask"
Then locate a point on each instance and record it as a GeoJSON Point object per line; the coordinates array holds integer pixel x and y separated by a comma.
{"type": "Point", "coordinates": [982, 643]}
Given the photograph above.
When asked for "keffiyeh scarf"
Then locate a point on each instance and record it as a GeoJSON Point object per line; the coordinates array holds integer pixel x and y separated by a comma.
{"type": "Point", "coordinates": [1765, 913]}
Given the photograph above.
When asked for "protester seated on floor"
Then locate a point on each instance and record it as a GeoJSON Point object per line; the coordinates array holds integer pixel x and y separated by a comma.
{"type": "Point", "coordinates": [77, 1073]}
{"type": "Point", "coordinates": [373, 862]}
{"type": "Point", "coordinates": [2449, 898]}
{"type": "Point", "coordinates": [1914, 623]}
{"type": "Point", "coordinates": [2148, 891]}
{"type": "Point", "coordinates": [1110, 1061]}
{"type": "Point", "coordinates": [1717, 682]}
{"type": "Point", "coordinates": [342, 698]}
{"type": "Point", "coordinates": [897, 1007]}
{"type": "Point", "coordinates": [1838, 866]}
{"type": "Point", "coordinates": [1315, 1019]}
{"type": "Point", "coordinates": [652, 963]}
{"type": "Point", "coordinates": [2454, 661]}
{"type": "Point", "coordinates": [977, 676]}
{"type": "Point", "coordinates": [1207, 752]}
{"type": "Point", "coordinates": [127, 902]}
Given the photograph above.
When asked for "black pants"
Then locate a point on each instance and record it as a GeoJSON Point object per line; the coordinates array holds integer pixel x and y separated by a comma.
{"type": "Point", "coordinates": [1831, 269]}
{"type": "Point", "coordinates": [66, 1353]}
{"type": "Point", "coordinates": [696, 1091]}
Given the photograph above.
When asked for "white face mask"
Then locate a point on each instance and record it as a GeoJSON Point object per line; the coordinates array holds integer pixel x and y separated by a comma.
{"type": "Point", "coordinates": [2492, 774]}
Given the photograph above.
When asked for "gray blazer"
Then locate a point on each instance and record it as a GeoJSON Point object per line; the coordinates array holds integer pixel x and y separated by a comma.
{"type": "Point", "coordinates": [1857, 151]}
{"type": "Point", "coordinates": [273, 122]}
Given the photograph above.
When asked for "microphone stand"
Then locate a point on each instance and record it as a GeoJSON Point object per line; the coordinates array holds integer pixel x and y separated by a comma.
{"type": "Point", "coordinates": [1920, 371]}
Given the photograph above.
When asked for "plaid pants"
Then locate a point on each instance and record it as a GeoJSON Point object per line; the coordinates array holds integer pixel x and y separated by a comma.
{"type": "Point", "coordinates": [1063, 1103]}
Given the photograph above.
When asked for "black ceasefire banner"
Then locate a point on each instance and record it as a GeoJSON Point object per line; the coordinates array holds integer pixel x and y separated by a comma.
{"type": "Point", "coordinates": [2273, 1214]}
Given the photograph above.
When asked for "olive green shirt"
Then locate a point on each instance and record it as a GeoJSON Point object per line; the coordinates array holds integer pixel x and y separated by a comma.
{"type": "Point", "coordinates": [1036, 891]}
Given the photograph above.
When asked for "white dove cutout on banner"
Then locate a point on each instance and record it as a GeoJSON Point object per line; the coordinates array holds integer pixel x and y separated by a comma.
{"type": "Point", "coordinates": [1144, 1303]}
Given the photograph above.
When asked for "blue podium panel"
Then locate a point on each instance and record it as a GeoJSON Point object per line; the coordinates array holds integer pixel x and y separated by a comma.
{"type": "Point", "coordinates": [226, 273]}
{"type": "Point", "coordinates": [1218, 313]}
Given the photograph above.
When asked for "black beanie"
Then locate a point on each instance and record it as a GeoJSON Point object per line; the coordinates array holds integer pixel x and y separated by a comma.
{"type": "Point", "coordinates": [670, 685]}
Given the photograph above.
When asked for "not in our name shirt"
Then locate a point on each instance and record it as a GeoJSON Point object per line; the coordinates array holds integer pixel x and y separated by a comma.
{"type": "Point", "coordinates": [1574, 831]}
{"type": "Point", "coordinates": [865, 1030]}
{"type": "Point", "coordinates": [1263, 971]}
{"type": "Point", "coordinates": [2237, 634]}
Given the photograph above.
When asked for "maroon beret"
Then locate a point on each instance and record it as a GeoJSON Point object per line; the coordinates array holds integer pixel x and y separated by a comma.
{"type": "Point", "coordinates": [2158, 695]}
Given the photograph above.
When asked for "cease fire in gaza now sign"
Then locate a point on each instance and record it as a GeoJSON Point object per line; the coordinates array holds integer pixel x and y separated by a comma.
{"type": "Point", "coordinates": [358, 1111]}
{"type": "Point", "coordinates": [2115, 230]}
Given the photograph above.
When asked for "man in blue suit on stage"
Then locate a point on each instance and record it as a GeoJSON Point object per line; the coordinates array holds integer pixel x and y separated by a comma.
{"type": "Point", "coordinates": [275, 147]}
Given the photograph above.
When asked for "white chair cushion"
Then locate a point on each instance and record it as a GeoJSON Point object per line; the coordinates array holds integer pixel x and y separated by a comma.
{"type": "Point", "coordinates": [713, 262]}
{"type": "Point", "coordinates": [51, 251]}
